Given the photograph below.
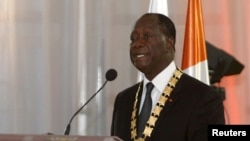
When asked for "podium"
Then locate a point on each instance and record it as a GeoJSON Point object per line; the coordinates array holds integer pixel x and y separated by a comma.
{"type": "Point", "coordinates": [31, 137]}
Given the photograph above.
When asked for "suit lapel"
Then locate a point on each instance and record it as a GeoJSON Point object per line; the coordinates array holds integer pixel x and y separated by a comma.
{"type": "Point", "coordinates": [172, 100]}
{"type": "Point", "coordinates": [163, 106]}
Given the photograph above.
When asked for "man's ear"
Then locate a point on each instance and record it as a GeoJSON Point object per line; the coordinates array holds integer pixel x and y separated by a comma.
{"type": "Point", "coordinates": [170, 42]}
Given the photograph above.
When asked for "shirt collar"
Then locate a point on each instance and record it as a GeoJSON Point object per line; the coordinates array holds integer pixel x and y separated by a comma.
{"type": "Point", "coordinates": [160, 83]}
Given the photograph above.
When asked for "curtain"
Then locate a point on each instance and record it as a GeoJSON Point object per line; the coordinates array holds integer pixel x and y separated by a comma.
{"type": "Point", "coordinates": [38, 65]}
{"type": "Point", "coordinates": [54, 55]}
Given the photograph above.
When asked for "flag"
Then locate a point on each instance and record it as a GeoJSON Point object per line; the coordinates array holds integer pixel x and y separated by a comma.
{"type": "Point", "coordinates": [194, 59]}
{"type": "Point", "coordinates": [156, 6]}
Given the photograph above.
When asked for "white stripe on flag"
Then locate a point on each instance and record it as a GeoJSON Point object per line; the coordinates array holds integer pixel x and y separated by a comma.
{"type": "Point", "coordinates": [197, 71]}
{"type": "Point", "coordinates": [158, 6]}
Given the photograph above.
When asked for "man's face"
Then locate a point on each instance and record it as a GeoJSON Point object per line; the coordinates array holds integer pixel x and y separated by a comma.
{"type": "Point", "coordinates": [148, 47]}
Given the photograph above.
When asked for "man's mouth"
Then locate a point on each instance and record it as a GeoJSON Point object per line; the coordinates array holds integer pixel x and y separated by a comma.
{"type": "Point", "coordinates": [140, 55]}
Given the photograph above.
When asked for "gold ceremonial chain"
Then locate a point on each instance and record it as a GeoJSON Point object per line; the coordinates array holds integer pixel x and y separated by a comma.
{"type": "Point", "coordinates": [157, 110]}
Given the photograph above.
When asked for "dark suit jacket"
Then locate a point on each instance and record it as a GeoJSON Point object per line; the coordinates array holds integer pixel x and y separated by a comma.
{"type": "Point", "coordinates": [194, 105]}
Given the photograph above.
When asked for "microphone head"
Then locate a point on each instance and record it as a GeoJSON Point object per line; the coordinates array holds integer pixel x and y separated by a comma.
{"type": "Point", "coordinates": [111, 74]}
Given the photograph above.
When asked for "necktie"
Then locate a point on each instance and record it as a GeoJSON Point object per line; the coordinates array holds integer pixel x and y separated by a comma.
{"type": "Point", "coordinates": [146, 110]}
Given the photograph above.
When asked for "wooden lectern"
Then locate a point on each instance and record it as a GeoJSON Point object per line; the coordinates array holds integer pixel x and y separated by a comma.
{"type": "Point", "coordinates": [26, 137]}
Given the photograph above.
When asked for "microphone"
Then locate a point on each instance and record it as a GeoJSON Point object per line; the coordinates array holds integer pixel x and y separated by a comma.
{"type": "Point", "coordinates": [111, 74]}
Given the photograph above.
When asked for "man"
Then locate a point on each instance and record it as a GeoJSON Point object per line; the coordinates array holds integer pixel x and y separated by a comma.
{"type": "Point", "coordinates": [182, 106]}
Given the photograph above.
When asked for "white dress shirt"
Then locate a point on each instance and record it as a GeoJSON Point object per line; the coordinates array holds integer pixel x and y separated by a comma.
{"type": "Point", "coordinates": [160, 82]}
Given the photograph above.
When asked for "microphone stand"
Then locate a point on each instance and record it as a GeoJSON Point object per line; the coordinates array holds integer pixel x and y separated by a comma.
{"type": "Point", "coordinates": [67, 131]}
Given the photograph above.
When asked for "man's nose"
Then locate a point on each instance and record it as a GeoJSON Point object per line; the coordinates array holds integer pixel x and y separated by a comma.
{"type": "Point", "coordinates": [138, 43]}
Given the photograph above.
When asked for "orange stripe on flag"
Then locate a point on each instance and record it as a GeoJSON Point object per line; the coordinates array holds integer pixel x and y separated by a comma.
{"type": "Point", "coordinates": [194, 50]}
